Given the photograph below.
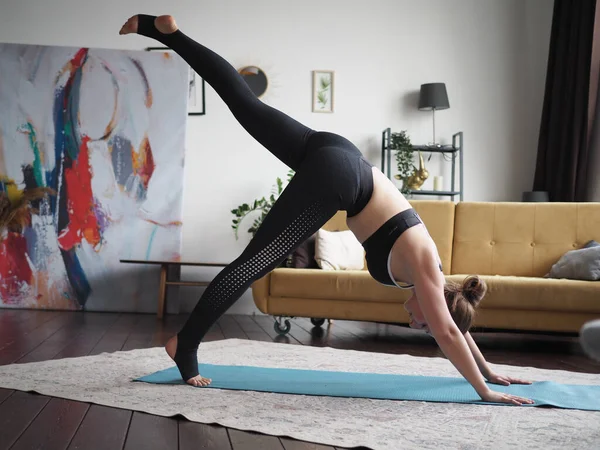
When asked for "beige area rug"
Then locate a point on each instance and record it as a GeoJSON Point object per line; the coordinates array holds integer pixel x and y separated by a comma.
{"type": "Point", "coordinates": [106, 379]}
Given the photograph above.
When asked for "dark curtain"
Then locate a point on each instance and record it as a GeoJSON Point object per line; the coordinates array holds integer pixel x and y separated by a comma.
{"type": "Point", "coordinates": [564, 146]}
{"type": "Point", "coordinates": [593, 176]}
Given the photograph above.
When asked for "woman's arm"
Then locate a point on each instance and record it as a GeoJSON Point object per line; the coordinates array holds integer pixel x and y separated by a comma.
{"type": "Point", "coordinates": [479, 359]}
{"type": "Point", "coordinates": [429, 288]}
{"type": "Point", "coordinates": [486, 370]}
{"type": "Point", "coordinates": [430, 293]}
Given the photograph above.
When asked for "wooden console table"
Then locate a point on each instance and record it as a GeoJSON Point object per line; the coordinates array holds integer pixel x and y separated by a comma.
{"type": "Point", "coordinates": [170, 275]}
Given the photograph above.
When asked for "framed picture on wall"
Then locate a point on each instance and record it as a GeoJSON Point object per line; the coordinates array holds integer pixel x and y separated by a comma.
{"type": "Point", "coordinates": [196, 88]}
{"type": "Point", "coordinates": [323, 87]}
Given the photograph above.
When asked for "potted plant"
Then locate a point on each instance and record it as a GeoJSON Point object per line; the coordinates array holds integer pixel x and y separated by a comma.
{"type": "Point", "coordinates": [263, 205]}
{"type": "Point", "coordinates": [404, 158]}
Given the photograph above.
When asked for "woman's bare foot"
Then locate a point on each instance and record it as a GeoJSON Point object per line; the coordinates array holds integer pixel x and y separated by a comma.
{"type": "Point", "coordinates": [164, 24]}
{"type": "Point", "coordinates": [171, 348]}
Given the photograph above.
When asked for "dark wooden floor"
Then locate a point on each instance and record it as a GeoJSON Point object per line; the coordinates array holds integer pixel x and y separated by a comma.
{"type": "Point", "coordinates": [29, 421]}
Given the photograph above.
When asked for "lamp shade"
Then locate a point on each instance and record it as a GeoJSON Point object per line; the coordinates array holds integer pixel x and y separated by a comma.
{"type": "Point", "coordinates": [433, 96]}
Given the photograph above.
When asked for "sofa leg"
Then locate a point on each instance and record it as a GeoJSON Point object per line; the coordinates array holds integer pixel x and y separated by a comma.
{"type": "Point", "coordinates": [279, 328]}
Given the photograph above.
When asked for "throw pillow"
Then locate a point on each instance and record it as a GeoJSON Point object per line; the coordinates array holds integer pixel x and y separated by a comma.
{"type": "Point", "coordinates": [591, 243]}
{"type": "Point", "coordinates": [304, 256]}
{"type": "Point", "coordinates": [338, 250]}
{"type": "Point", "coordinates": [582, 264]}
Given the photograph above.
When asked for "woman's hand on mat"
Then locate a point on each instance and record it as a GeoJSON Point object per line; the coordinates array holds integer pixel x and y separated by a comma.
{"type": "Point", "coordinates": [504, 380]}
{"type": "Point", "coordinates": [500, 397]}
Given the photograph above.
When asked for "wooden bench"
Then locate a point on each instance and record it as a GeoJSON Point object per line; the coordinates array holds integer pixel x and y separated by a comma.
{"type": "Point", "coordinates": [170, 275]}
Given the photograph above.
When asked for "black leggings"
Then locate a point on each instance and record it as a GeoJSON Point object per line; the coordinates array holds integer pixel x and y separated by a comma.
{"type": "Point", "coordinates": [331, 175]}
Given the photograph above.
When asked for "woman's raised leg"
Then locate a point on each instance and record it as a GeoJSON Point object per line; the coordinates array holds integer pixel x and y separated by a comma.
{"type": "Point", "coordinates": [283, 136]}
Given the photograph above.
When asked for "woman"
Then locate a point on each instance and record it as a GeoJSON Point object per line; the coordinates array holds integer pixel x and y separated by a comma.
{"type": "Point", "coordinates": [331, 175]}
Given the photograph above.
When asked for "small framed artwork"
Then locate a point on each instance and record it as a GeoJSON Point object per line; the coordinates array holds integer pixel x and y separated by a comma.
{"type": "Point", "coordinates": [323, 87]}
{"type": "Point", "coordinates": [196, 88]}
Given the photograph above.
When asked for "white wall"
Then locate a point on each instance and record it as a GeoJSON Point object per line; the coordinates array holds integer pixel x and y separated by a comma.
{"type": "Point", "coordinates": [490, 53]}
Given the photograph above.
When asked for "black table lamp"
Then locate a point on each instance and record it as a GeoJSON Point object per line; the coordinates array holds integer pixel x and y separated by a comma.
{"type": "Point", "coordinates": [433, 96]}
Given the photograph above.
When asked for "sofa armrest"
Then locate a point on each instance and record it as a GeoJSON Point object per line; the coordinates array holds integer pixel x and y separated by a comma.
{"type": "Point", "coordinates": [260, 293]}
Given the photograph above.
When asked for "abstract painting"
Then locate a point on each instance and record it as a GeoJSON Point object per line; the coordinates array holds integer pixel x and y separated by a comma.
{"type": "Point", "coordinates": [105, 131]}
{"type": "Point", "coordinates": [196, 88]}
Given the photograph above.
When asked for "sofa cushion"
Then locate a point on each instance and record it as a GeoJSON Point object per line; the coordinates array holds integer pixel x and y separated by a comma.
{"type": "Point", "coordinates": [352, 285]}
{"type": "Point", "coordinates": [521, 239]}
{"type": "Point", "coordinates": [582, 264]}
{"type": "Point", "coordinates": [338, 223]}
{"type": "Point", "coordinates": [504, 292]}
{"type": "Point", "coordinates": [304, 256]}
{"type": "Point", "coordinates": [539, 294]}
{"type": "Point", "coordinates": [338, 250]}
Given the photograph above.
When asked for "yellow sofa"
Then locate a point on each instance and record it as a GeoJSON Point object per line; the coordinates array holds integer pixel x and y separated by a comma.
{"type": "Point", "coordinates": [510, 245]}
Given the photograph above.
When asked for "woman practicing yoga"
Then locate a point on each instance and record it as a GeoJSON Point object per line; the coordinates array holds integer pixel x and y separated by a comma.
{"type": "Point", "coordinates": [331, 175]}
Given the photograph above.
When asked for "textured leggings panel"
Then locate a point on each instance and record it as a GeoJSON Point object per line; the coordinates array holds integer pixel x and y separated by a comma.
{"type": "Point", "coordinates": [267, 250]}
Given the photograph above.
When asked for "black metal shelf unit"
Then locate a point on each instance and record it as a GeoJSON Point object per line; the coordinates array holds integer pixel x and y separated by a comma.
{"type": "Point", "coordinates": [456, 150]}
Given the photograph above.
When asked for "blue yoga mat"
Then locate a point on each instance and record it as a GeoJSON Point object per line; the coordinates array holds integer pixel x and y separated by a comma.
{"type": "Point", "coordinates": [379, 386]}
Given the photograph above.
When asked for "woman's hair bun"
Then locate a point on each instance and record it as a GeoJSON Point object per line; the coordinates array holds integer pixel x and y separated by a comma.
{"type": "Point", "coordinates": [473, 289]}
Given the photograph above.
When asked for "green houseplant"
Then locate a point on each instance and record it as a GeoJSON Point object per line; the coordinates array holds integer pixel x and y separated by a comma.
{"type": "Point", "coordinates": [404, 158]}
{"type": "Point", "coordinates": [263, 205]}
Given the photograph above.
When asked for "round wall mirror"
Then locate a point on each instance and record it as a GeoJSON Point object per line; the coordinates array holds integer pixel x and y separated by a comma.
{"type": "Point", "coordinates": [255, 78]}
